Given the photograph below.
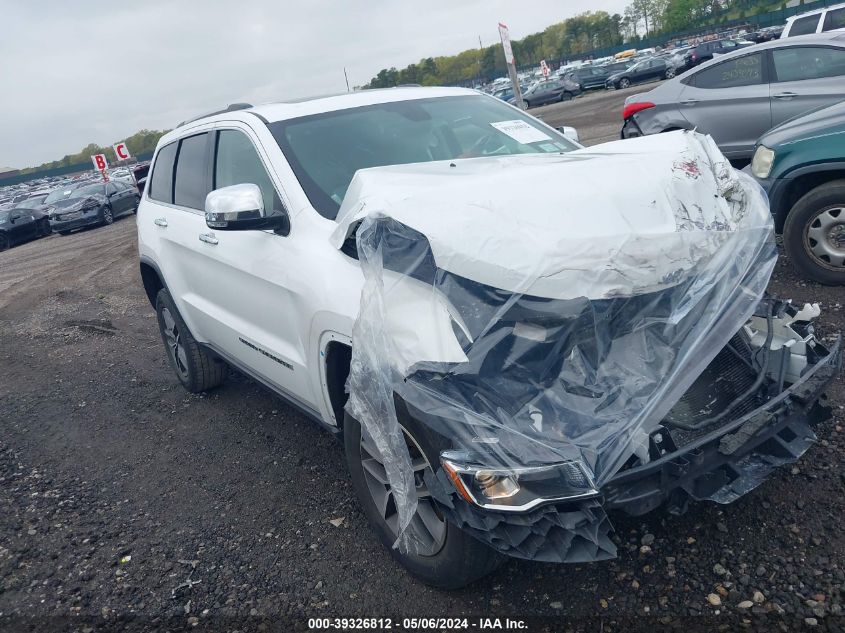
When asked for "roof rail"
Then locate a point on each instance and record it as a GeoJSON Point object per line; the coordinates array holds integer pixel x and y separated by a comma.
{"type": "Point", "coordinates": [230, 108]}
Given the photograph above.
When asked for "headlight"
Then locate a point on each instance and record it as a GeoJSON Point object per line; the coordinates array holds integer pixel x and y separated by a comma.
{"type": "Point", "coordinates": [516, 489]}
{"type": "Point", "coordinates": [761, 164]}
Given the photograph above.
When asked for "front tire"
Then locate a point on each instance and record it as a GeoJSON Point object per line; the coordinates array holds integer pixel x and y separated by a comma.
{"type": "Point", "coordinates": [814, 234]}
{"type": "Point", "coordinates": [525, 105]}
{"type": "Point", "coordinates": [195, 367]}
{"type": "Point", "coordinates": [624, 83]}
{"type": "Point", "coordinates": [108, 216]}
{"type": "Point", "coordinates": [670, 73]}
{"type": "Point", "coordinates": [452, 558]}
{"type": "Point", "coordinates": [5, 242]}
{"type": "Point", "coordinates": [566, 96]}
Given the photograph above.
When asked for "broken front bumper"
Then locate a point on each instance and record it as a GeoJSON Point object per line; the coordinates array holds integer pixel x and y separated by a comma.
{"type": "Point", "coordinates": [720, 466]}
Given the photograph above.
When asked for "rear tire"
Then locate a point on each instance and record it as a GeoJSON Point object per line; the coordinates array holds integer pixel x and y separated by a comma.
{"type": "Point", "coordinates": [195, 367]}
{"type": "Point", "coordinates": [814, 234]}
{"type": "Point", "coordinates": [460, 560]}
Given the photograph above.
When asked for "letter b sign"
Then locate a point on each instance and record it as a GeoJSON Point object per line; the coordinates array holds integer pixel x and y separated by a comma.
{"type": "Point", "coordinates": [99, 161]}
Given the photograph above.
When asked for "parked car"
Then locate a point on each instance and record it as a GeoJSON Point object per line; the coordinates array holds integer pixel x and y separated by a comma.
{"type": "Point", "coordinates": [617, 67]}
{"type": "Point", "coordinates": [737, 97]}
{"type": "Point", "coordinates": [647, 70]}
{"type": "Point", "coordinates": [505, 95]}
{"type": "Point", "coordinates": [588, 77]}
{"type": "Point", "coordinates": [35, 200]}
{"type": "Point", "coordinates": [707, 50]}
{"type": "Point", "coordinates": [830, 18]}
{"type": "Point", "coordinates": [801, 165]}
{"type": "Point", "coordinates": [20, 225]}
{"type": "Point", "coordinates": [91, 205]}
{"type": "Point", "coordinates": [766, 34]}
{"type": "Point", "coordinates": [550, 91]}
{"type": "Point", "coordinates": [252, 253]}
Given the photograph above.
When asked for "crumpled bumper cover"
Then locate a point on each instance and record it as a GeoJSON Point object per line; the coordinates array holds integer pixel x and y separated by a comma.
{"type": "Point", "coordinates": [719, 467]}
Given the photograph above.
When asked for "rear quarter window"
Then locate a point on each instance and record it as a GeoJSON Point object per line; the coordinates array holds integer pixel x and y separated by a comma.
{"type": "Point", "coordinates": [161, 185]}
{"type": "Point", "coordinates": [835, 19]}
{"type": "Point", "coordinates": [805, 26]}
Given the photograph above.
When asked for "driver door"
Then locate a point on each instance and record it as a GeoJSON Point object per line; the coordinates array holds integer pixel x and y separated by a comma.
{"type": "Point", "coordinates": [251, 286]}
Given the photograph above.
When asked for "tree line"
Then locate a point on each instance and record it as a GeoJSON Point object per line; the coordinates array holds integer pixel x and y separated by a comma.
{"type": "Point", "coordinates": [588, 31]}
{"type": "Point", "coordinates": [141, 142]}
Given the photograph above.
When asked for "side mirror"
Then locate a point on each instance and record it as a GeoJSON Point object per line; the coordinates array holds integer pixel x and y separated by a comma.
{"type": "Point", "coordinates": [241, 208]}
{"type": "Point", "coordinates": [569, 132]}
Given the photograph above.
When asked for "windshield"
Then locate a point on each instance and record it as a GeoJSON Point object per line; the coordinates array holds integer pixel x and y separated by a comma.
{"type": "Point", "coordinates": [87, 190]}
{"type": "Point", "coordinates": [58, 194]}
{"type": "Point", "coordinates": [325, 150]}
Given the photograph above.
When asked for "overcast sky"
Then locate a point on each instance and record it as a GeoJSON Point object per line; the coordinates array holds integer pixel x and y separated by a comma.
{"type": "Point", "coordinates": [78, 72]}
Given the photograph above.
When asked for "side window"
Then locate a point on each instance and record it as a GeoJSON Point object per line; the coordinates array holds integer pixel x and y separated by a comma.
{"type": "Point", "coordinates": [805, 26]}
{"type": "Point", "coordinates": [808, 62]}
{"type": "Point", "coordinates": [741, 71]}
{"type": "Point", "coordinates": [835, 19]}
{"type": "Point", "coordinates": [237, 162]}
{"type": "Point", "coordinates": [728, 44]}
{"type": "Point", "coordinates": [190, 188]}
{"type": "Point", "coordinates": [161, 183]}
{"type": "Point", "coordinates": [111, 188]}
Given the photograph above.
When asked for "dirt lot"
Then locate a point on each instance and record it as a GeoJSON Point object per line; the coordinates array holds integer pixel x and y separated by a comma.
{"type": "Point", "coordinates": [124, 499]}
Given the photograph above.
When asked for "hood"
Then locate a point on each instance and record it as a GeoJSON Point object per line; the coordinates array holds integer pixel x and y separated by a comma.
{"type": "Point", "coordinates": [76, 203]}
{"type": "Point", "coordinates": [620, 219]}
{"type": "Point", "coordinates": [821, 121]}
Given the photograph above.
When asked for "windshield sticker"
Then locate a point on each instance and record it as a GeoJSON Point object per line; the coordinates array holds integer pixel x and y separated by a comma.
{"type": "Point", "coordinates": [549, 147]}
{"type": "Point", "coordinates": [521, 132]}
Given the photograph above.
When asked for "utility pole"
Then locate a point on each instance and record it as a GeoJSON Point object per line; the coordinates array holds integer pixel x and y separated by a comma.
{"type": "Point", "coordinates": [480, 56]}
{"type": "Point", "coordinates": [347, 79]}
{"type": "Point", "coordinates": [504, 34]}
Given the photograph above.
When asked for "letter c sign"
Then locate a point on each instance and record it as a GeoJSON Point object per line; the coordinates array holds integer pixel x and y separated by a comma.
{"type": "Point", "coordinates": [121, 151]}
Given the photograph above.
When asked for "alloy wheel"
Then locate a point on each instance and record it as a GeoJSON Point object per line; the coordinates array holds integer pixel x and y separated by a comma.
{"type": "Point", "coordinates": [108, 217]}
{"type": "Point", "coordinates": [624, 83]}
{"type": "Point", "coordinates": [824, 238]}
{"type": "Point", "coordinates": [670, 73]}
{"type": "Point", "coordinates": [428, 526]}
{"type": "Point", "coordinates": [175, 347]}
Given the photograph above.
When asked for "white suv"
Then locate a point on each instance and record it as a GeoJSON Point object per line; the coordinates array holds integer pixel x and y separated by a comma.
{"type": "Point", "coordinates": [830, 18]}
{"type": "Point", "coordinates": [247, 264]}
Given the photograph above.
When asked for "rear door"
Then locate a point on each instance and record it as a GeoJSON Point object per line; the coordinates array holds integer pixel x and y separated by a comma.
{"type": "Point", "coordinates": [730, 101]}
{"type": "Point", "coordinates": [805, 78]}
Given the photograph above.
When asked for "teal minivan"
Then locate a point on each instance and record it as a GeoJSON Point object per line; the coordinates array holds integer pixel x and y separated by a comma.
{"type": "Point", "coordinates": [801, 165]}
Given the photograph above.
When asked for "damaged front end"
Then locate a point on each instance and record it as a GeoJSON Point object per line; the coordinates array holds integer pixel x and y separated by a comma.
{"type": "Point", "coordinates": [611, 351]}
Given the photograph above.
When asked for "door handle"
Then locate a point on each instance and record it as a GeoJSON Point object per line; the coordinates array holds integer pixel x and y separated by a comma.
{"type": "Point", "coordinates": [785, 95]}
{"type": "Point", "coordinates": [689, 102]}
{"type": "Point", "coordinates": [160, 222]}
{"type": "Point", "coordinates": [208, 238]}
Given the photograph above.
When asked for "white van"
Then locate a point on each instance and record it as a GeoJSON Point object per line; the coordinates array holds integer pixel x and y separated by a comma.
{"type": "Point", "coordinates": [828, 19]}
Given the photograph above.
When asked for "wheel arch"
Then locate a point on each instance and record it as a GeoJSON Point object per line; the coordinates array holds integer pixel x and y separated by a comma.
{"type": "Point", "coordinates": [152, 279]}
{"type": "Point", "coordinates": [798, 183]}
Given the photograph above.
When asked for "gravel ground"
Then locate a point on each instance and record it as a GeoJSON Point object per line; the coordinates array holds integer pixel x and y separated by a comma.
{"type": "Point", "coordinates": [126, 501]}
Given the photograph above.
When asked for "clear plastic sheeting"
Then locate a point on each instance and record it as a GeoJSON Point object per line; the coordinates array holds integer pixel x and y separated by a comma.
{"type": "Point", "coordinates": [544, 313]}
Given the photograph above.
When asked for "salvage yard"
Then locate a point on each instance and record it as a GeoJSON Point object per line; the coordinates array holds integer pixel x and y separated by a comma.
{"type": "Point", "coordinates": [122, 497]}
